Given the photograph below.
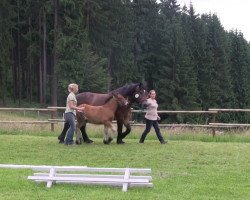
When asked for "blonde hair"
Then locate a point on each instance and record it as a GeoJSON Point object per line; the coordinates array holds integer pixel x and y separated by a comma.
{"type": "Point", "coordinates": [72, 86]}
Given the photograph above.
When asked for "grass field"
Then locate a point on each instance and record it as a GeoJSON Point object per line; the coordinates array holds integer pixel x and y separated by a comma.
{"type": "Point", "coordinates": [193, 165]}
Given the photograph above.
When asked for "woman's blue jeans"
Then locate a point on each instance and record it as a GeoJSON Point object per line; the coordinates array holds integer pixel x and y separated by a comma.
{"type": "Point", "coordinates": [149, 124]}
{"type": "Point", "coordinates": [70, 118]}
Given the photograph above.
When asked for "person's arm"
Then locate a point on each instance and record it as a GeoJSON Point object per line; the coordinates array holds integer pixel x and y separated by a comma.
{"type": "Point", "coordinates": [71, 105]}
{"type": "Point", "coordinates": [158, 117]}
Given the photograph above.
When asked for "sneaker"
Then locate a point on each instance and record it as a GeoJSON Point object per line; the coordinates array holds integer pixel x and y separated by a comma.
{"type": "Point", "coordinates": [142, 142]}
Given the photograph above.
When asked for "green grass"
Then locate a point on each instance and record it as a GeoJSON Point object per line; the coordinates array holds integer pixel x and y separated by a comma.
{"type": "Point", "coordinates": [180, 170]}
{"type": "Point", "coordinates": [193, 165]}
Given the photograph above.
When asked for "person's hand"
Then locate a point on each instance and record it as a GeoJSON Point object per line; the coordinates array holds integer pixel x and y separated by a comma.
{"type": "Point", "coordinates": [158, 118]}
{"type": "Point", "coordinates": [80, 109]}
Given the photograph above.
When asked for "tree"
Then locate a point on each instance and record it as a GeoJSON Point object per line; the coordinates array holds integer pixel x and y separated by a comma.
{"type": "Point", "coordinates": [6, 25]}
{"type": "Point", "coordinates": [77, 60]}
{"type": "Point", "coordinates": [146, 40]}
{"type": "Point", "coordinates": [239, 61]}
{"type": "Point", "coordinates": [177, 76]}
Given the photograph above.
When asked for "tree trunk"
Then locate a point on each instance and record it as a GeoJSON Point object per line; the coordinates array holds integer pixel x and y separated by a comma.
{"type": "Point", "coordinates": [54, 75]}
{"type": "Point", "coordinates": [40, 67]}
{"type": "Point", "coordinates": [44, 56]}
{"type": "Point", "coordinates": [19, 80]}
{"type": "Point", "coordinates": [2, 86]}
{"type": "Point", "coordinates": [29, 85]}
{"type": "Point", "coordinates": [14, 71]}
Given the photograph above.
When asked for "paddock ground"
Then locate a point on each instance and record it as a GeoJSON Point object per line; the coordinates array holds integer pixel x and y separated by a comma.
{"type": "Point", "coordinates": [191, 166]}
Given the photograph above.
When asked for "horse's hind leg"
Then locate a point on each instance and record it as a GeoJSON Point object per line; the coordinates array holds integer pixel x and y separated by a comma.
{"type": "Point", "coordinates": [61, 137]}
{"type": "Point", "coordinates": [84, 134]}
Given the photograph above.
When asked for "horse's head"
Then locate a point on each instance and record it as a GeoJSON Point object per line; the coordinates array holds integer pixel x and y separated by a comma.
{"type": "Point", "coordinates": [135, 92]}
{"type": "Point", "coordinates": [120, 99]}
{"type": "Point", "coordinates": [140, 95]}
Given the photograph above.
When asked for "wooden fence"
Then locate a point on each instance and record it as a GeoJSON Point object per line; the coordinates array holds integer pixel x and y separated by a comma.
{"type": "Point", "coordinates": [38, 110]}
{"type": "Point", "coordinates": [212, 112]}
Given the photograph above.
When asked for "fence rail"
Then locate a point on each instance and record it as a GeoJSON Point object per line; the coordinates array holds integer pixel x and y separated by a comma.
{"type": "Point", "coordinates": [212, 112]}
{"type": "Point", "coordinates": [38, 110]}
{"type": "Point", "coordinates": [228, 110]}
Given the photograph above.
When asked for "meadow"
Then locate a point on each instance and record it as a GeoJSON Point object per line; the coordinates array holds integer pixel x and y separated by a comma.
{"type": "Point", "coordinates": [193, 165]}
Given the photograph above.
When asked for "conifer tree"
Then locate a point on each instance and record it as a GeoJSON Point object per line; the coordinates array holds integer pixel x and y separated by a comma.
{"type": "Point", "coordinates": [76, 59]}
{"type": "Point", "coordinates": [6, 25]}
{"type": "Point", "coordinates": [180, 85]}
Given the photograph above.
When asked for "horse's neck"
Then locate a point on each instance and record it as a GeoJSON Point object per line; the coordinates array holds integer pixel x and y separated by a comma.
{"type": "Point", "coordinates": [111, 104]}
{"type": "Point", "coordinates": [126, 90]}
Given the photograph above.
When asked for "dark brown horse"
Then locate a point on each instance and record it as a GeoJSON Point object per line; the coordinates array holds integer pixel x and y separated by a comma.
{"type": "Point", "coordinates": [104, 114]}
{"type": "Point", "coordinates": [136, 93]}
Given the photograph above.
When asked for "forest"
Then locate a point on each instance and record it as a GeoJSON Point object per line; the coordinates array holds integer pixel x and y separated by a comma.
{"type": "Point", "coordinates": [188, 58]}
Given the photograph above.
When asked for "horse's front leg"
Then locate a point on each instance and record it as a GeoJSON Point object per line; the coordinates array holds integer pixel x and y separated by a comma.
{"type": "Point", "coordinates": [119, 132]}
{"type": "Point", "coordinates": [107, 139]}
{"type": "Point", "coordinates": [127, 117]}
{"type": "Point", "coordinates": [123, 120]}
{"type": "Point", "coordinates": [78, 136]}
{"type": "Point", "coordinates": [78, 133]}
{"type": "Point", "coordinates": [127, 131]}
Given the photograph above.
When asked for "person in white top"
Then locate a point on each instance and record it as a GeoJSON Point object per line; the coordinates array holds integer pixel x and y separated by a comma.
{"type": "Point", "coordinates": [152, 118]}
{"type": "Point", "coordinates": [70, 112]}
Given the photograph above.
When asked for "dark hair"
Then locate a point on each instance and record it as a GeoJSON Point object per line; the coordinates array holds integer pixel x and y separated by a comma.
{"type": "Point", "coordinates": [150, 92]}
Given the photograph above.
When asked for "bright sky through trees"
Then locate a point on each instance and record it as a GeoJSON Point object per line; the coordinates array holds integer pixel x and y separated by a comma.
{"type": "Point", "coordinates": [232, 14]}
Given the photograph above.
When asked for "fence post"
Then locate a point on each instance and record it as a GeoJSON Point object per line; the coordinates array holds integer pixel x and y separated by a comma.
{"type": "Point", "coordinates": [213, 121]}
{"type": "Point", "coordinates": [52, 117]}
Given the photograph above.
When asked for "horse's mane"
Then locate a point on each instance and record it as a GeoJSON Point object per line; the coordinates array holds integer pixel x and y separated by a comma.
{"type": "Point", "coordinates": [126, 90]}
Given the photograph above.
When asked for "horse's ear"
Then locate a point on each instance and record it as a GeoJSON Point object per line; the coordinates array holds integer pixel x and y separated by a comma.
{"type": "Point", "coordinates": [142, 85]}
{"type": "Point", "coordinates": [138, 87]}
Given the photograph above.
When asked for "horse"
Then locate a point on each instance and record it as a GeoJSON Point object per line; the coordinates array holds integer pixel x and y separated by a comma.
{"type": "Point", "coordinates": [101, 115]}
{"type": "Point", "coordinates": [135, 92]}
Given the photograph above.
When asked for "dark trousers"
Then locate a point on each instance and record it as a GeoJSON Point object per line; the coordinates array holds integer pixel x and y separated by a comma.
{"type": "Point", "coordinates": [149, 124]}
{"type": "Point", "coordinates": [70, 118]}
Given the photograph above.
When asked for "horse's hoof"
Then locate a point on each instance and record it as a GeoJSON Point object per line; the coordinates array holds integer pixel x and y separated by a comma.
{"type": "Point", "coordinates": [78, 142]}
{"type": "Point", "coordinates": [109, 140]}
{"type": "Point", "coordinates": [105, 142]}
{"type": "Point", "coordinates": [61, 141]}
{"type": "Point", "coordinates": [124, 135]}
{"type": "Point", "coordinates": [120, 142]}
{"type": "Point", "coordinates": [88, 141]}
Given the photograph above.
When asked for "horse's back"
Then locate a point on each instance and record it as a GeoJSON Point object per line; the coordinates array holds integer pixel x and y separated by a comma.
{"type": "Point", "coordinates": [97, 114]}
{"type": "Point", "coordinates": [95, 99]}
